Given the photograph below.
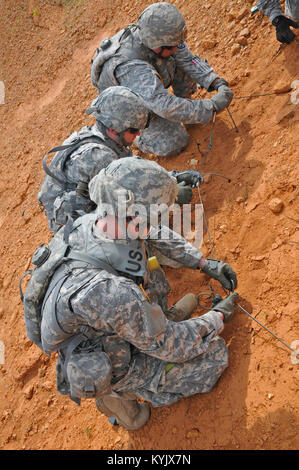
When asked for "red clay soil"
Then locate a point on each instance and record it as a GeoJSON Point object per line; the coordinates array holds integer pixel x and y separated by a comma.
{"type": "Point", "coordinates": [45, 56]}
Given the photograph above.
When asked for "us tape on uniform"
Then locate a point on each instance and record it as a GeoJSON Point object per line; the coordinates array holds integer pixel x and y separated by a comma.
{"type": "Point", "coordinates": [2, 353]}
{"type": "Point", "coordinates": [2, 93]}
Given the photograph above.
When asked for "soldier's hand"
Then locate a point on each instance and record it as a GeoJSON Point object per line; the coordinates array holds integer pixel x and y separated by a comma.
{"type": "Point", "coordinates": [218, 82]}
{"type": "Point", "coordinates": [190, 178]}
{"type": "Point", "coordinates": [184, 195]}
{"type": "Point", "coordinates": [227, 306]}
{"type": "Point", "coordinates": [223, 98]}
{"type": "Point", "coordinates": [283, 32]}
{"type": "Point", "coordinates": [222, 272]}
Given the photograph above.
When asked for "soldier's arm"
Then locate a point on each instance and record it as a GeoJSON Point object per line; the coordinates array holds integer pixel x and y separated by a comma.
{"type": "Point", "coordinates": [271, 8]}
{"type": "Point", "coordinates": [115, 305]}
{"type": "Point", "coordinates": [141, 77]}
{"type": "Point", "coordinates": [199, 70]}
{"type": "Point", "coordinates": [174, 246]}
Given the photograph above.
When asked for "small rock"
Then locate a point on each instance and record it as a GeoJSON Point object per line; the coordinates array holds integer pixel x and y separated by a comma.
{"type": "Point", "coordinates": [28, 392]}
{"type": "Point", "coordinates": [242, 41]}
{"type": "Point", "coordinates": [270, 396]}
{"type": "Point", "coordinates": [235, 49]}
{"type": "Point", "coordinates": [174, 430]}
{"type": "Point", "coordinates": [276, 205]}
{"type": "Point", "coordinates": [245, 32]}
{"type": "Point", "coordinates": [193, 162]}
{"type": "Point", "coordinates": [242, 13]}
{"type": "Point", "coordinates": [208, 43]}
{"type": "Point", "coordinates": [193, 433]}
{"type": "Point", "coordinates": [47, 386]}
{"type": "Point", "coordinates": [239, 200]}
{"type": "Point", "coordinates": [231, 16]}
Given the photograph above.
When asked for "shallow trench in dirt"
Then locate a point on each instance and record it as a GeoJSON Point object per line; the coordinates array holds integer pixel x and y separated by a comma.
{"type": "Point", "coordinates": [45, 66]}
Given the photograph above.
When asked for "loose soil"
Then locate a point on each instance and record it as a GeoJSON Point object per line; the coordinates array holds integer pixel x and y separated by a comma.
{"type": "Point", "coordinates": [45, 66]}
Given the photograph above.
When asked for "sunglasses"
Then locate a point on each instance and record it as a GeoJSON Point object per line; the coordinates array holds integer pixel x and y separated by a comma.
{"type": "Point", "coordinates": [168, 48]}
{"type": "Point", "coordinates": [133, 130]}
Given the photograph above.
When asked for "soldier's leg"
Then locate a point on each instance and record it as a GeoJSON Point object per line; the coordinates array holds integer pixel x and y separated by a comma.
{"type": "Point", "coordinates": [163, 137]}
{"type": "Point", "coordinates": [196, 376]}
{"type": "Point", "coordinates": [125, 409]}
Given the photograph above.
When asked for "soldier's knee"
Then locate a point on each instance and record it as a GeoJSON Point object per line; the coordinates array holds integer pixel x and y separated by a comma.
{"type": "Point", "coordinates": [174, 147]}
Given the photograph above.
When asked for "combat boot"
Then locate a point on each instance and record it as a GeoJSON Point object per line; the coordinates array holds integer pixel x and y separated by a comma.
{"type": "Point", "coordinates": [130, 414]}
{"type": "Point", "coordinates": [183, 309]}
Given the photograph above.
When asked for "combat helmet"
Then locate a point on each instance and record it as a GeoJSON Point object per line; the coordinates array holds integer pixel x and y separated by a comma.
{"type": "Point", "coordinates": [120, 108]}
{"type": "Point", "coordinates": [133, 180]}
{"type": "Point", "coordinates": [162, 24]}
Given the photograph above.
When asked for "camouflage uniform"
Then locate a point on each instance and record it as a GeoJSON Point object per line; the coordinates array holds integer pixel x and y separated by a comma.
{"type": "Point", "coordinates": [115, 316]}
{"type": "Point", "coordinates": [118, 109]}
{"type": "Point", "coordinates": [272, 8]}
{"type": "Point", "coordinates": [135, 65]}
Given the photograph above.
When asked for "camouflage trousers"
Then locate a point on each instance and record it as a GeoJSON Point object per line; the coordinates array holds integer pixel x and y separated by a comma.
{"type": "Point", "coordinates": [171, 382]}
{"type": "Point", "coordinates": [164, 137]}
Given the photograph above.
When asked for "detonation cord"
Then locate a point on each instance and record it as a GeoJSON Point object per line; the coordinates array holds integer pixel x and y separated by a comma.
{"type": "Point", "coordinates": [212, 295]}
{"type": "Point", "coordinates": [205, 154]}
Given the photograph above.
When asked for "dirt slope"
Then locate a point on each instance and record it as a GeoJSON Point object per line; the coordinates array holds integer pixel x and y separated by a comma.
{"type": "Point", "coordinates": [45, 64]}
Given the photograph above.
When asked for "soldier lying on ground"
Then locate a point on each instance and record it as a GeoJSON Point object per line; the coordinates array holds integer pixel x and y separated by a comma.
{"type": "Point", "coordinates": [149, 57]}
{"type": "Point", "coordinates": [106, 312]}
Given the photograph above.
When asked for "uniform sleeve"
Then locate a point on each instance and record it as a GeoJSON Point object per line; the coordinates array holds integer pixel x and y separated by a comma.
{"type": "Point", "coordinates": [115, 305]}
{"type": "Point", "coordinates": [174, 246]}
{"type": "Point", "coordinates": [141, 77]}
{"type": "Point", "coordinates": [87, 161]}
{"type": "Point", "coordinates": [201, 72]}
{"type": "Point", "coordinates": [270, 8]}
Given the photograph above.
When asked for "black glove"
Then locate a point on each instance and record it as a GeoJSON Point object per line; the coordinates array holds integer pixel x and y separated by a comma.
{"type": "Point", "coordinates": [283, 32]}
{"type": "Point", "coordinates": [222, 272]}
{"type": "Point", "coordinates": [189, 177]}
{"type": "Point", "coordinates": [184, 195]}
{"type": "Point", "coordinates": [227, 306]}
{"type": "Point", "coordinates": [217, 83]}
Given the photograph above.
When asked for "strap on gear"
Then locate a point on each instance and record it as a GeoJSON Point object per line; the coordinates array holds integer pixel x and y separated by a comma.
{"type": "Point", "coordinates": [70, 149]}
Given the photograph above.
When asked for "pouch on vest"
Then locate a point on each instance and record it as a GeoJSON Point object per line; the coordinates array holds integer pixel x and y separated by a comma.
{"type": "Point", "coordinates": [46, 260]}
{"type": "Point", "coordinates": [89, 374]}
{"type": "Point", "coordinates": [107, 49]}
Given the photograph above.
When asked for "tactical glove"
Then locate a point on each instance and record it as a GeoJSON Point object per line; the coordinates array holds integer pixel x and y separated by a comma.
{"type": "Point", "coordinates": [217, 83]}
{"type": "Point", "coordinates": [222, 272]}
{"type": "Point", "coordinates": [223, 98]}
{"type": "Point", "coordinates": [189, 177]}
{"type": "Point", "coordinates": [283, 32]}
{"type": "Point", "coordinates": [227, 306]}
{"type": "Point", "coordinates": [184, 195]}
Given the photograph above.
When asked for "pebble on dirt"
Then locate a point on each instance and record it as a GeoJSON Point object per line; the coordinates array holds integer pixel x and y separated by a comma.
{"type": "Point", "coordinates": [276, 205]}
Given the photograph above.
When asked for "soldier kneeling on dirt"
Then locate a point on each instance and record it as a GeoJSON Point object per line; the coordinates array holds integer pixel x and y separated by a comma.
{"type": "Point", "coordinates": [95, 297]}
{"type": "Point", "coordinates": [120, 115]}
{"type": "Point", "coordinates": [150, 56]}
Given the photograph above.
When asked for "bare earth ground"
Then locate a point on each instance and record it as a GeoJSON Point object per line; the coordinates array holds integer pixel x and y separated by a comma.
{"type": "Point", "coordinates": [46, 47]}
